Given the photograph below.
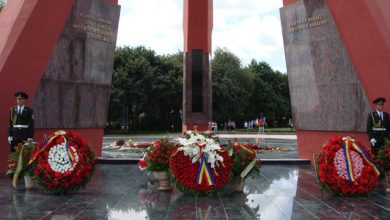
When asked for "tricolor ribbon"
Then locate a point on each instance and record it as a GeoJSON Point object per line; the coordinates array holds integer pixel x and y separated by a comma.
{"type": "Point", "coordinates": [249, 150]}
{"type": "Point", "coordinates": [349, 144]}
{"type": "Point", "coordinates": [204, 171]}
{"type": "Point", "coordinates": [206, 216]}
{"type": "Point", "coordinates": [70, 152]}
{"type": "Point", "coordinates": [48, 141]}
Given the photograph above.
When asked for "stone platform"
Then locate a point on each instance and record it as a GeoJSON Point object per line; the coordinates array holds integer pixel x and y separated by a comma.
{"type": "Point", "coordinates": [124, 192]}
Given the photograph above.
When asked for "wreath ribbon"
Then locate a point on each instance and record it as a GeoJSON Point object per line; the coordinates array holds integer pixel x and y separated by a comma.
{"type": "Point", "coordinates": [349, 144]}
{"type": "Point", "coordinates": [57, 134]}
{"type": "Point", "coordinates": [249, 150]}
{"type": "Point", "coordinates": [204, 172]}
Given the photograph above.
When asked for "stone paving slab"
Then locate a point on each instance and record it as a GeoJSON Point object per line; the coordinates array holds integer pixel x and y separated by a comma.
{"type": "Point", "coordinates": [124, 192]}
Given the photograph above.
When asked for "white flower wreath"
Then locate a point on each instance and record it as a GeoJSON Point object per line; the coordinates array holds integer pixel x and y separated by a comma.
{"type": "Point", "coordinates": [59, 159]}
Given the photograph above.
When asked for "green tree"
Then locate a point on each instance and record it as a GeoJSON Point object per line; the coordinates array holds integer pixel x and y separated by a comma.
{"type": "Point", "coordinates": [2, 3]}
{"type": "Point", "coordinates": [271, 94]}
{"type": "Point", "coordinates": [232, 87]}
{"type": "Point", "coordinates": [146, 90]}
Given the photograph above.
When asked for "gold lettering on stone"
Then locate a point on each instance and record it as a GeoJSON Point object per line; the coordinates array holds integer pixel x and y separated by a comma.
{"type": "Point", "coordinates": [307, 23]}
{"type": "Point", "coordinates": [95, 27]}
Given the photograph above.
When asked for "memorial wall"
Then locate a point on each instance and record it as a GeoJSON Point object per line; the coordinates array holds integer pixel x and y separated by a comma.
{"type": "Point", "coordinates": [325, 91]}
{"type": "Point", "coordinates": [337, 54]}
{"type": "Point", "coordinates": [75, 88]}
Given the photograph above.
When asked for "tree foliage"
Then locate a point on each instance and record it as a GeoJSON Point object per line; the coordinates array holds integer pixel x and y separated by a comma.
{"type": "Point", "coordinates": [146, 90]}
{"type": "Point", "coordinates": [2, 3]}
{"type": "Point", "coordinates": [246, 93]}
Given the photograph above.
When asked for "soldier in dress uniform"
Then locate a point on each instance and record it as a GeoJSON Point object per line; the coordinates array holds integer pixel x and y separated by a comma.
{"type": "Point", "coordinates": [378, 125]}
{"type": "Point", "coordinates": [21, 122]}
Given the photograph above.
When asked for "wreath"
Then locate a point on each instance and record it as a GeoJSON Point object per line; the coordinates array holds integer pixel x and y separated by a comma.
{"type": "Point", "coordinates": [200, 165]}
{"type": "Point", "coordinates": [184, 174]}
{"type": "Point", "coordinates": [344, 167]}
{"type": "Point", "coordinates": [244, 160]}
{"type": "Point", "coordinates": [63, 163]}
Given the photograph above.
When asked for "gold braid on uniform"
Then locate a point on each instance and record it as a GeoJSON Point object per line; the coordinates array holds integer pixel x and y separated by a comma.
{"type": "Point", "coordinates": [376, 125]}
{"type": "Point", "coordinates": [13, 116]}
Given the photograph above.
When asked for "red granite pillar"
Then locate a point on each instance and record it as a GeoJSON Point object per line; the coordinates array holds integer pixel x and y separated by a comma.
{"type": "Point", "coordinates": [197, 95]}
{"type": "Point", "coordinates": [29, 32]}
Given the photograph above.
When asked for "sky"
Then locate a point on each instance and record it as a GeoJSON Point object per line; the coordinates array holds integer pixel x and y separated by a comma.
{"type": "Point", "coordinates": [248, 28]}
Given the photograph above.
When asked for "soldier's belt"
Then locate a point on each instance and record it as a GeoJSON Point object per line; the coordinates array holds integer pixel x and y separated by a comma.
{"type": "Point", "coordinates": [379, 129]}
{"type": "Point", "coordinates": [20, 126]}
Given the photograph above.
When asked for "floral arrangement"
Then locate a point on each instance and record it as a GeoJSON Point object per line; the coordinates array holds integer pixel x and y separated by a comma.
{"type": "Point", "coordinates": [63, 163]}
{"type": "Point", "coordinates": [244, 162]}
{"type": "Point", "coordinates": [383, 157]}
{"type": "Point", "coordinates": [17, 162]}
{"type": "Point", "coordinates": [157, 155]}
{"type": "Point", "coordinates": [200, 165]}
{"type": "Point", "coordinates": [345, 167]}
{"type": "Point", "coordinates": [129, 146]}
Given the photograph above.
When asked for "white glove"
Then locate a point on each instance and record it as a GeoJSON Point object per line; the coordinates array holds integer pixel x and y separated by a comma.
{"type": "Point", "coordinates": [373, 141]}
{"type": "Point", "coordinates": [9, 139]}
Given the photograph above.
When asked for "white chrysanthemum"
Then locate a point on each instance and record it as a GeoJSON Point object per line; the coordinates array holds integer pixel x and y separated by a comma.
{"type": "Point", "coordinates": [59, 160]}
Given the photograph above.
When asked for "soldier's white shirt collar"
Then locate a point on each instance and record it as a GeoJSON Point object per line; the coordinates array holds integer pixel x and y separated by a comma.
{"type": "Point", "coordinates": [380, 114]}
{"type": "Point", "coordinates": [20, 108]}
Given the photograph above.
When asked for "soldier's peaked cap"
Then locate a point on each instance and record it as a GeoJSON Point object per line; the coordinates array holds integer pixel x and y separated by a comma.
{"type": "Point", "coordinates": [21, 94]}
{"type": "Point", "coordinates": [379, 100]}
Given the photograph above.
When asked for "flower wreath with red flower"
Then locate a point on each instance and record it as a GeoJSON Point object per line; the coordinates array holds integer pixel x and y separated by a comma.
{"type": "Point", "coordinates": [63, 163]}
{"type": "Point", "coordinates": [200, 165]}
{"type": "Point", "coordinates": [156, 157]}
{"type": "Point", "coordinates": [383, 156]}
{"type": "Point", "coordinates": [346, 167]}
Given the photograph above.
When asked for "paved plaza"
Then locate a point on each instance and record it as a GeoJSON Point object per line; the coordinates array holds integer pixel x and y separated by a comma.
{"type": "Point", "coordinates": [124, 192]}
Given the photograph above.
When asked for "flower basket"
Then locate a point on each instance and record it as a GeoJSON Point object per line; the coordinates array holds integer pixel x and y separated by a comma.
{"type": "Point", "coordinates": [157, 155]}
{"type": "Point", "coordinates": [156, 159]}
{"type": "Point", "coordinates": [383, 159]}
{"type": "Point", "coordinates": [345, 167]}
{"type": "Point", "coordinates": [234, 186]}
{"type": "Point", "coordinates": [63, 163]}
{"type": "Point", "coordinates": [245, 164]}
{"type": "Point", "coordinates": [28, 182]}
{"type": "Point", "coordinates": [163, 180]}
{"type": "Point", "coordinates": [18, 161]}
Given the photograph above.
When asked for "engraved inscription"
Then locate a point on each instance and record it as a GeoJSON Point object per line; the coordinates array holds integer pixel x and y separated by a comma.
{"type": "Point", "coordinates": [95, 27]}
{"type": "Point", "coordinates": [306, 23]}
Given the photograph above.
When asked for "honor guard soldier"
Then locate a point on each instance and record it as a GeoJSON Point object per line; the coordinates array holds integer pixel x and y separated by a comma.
{"type": "Point", "coordinates": [21, 122]}
{"type": "Point", "coordinates": [378, 125]}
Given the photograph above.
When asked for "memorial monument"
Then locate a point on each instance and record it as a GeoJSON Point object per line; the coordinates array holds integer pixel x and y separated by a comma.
{"type": "Point", "coordinates": [61, 53]}
{"type": "Point", "coordinates": [197, 95]}
{"type": "Point", "coordinates": [337, 54]}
